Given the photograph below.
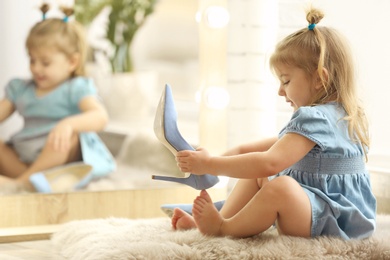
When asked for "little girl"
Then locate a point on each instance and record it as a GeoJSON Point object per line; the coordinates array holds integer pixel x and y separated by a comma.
{"type": "Point", "coordinates": [311, 180]}
{"type": "Point", "coordinates": [59, 106]}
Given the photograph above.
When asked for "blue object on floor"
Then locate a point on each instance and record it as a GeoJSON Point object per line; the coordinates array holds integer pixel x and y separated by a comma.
{"type": "Point", "coordinates": [62, 178]}
{"type": "Point", "coordinates": [168, 208]}
{"type": "Point", "coordinates": [96, 154]}
{"type": "Point", "coordinates": [166, 130]}
{"type": "Point", "coordinates": [40, 183]}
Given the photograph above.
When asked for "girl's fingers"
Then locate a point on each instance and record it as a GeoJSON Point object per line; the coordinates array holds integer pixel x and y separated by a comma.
{"type": "Point", "coordinates": [183, 153]}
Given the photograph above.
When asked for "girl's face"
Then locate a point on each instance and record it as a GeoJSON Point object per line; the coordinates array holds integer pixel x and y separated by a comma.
{"type": "Point", "coordinates": [50, 68]}
{"type": "Point", "coordinates": [297, 88]}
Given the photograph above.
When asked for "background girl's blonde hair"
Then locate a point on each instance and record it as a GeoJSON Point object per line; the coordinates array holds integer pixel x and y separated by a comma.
{"type": "Point", "coordinates": [314, 50]}
{"type": "Point", "coordinates": [66, 37]}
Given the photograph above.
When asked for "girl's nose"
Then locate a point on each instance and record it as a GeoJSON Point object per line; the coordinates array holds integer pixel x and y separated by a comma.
{"type": "Point", "coordinates": [281, 91]}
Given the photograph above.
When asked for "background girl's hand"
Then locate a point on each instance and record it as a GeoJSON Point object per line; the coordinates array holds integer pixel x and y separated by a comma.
{"type": "Point", "coordinates": [60, 137]}
{"type": "Point", "coordinates": [195, 162]}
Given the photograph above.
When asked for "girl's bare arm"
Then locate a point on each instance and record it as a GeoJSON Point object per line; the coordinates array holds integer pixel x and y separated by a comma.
{"type": "Point", "coordinates": [285, 152]}
{"type": "Point", "coordinates": [93, 117]}
{"type": "Point", "coordinates": [6, 109]}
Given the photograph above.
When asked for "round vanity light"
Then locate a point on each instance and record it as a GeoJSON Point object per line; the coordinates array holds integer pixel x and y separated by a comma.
{"type": "Point", "coordinates": [217, 97]}
{"type": "Point", "coordinates": [217, 16]}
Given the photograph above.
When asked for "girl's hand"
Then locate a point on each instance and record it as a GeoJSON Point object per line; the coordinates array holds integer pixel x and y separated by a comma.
{"type": "Point", "coordinates": [195, 162]}
{"type": "Point", "coordinates": [60, 137]}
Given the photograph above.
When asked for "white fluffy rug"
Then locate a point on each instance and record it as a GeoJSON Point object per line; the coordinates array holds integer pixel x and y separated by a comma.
{"type": "Point", "coordinates": [118, 238]}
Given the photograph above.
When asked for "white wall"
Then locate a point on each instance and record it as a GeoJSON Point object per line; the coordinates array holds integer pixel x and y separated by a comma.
{"type": "Point", "coordinates": [365, 23]}
{"type": "Point", "coordinates": [252, 34]}
{"type": "Point", "coordinates": [14, 29]}
{"type": "Point", "coordinates": [16, 17]}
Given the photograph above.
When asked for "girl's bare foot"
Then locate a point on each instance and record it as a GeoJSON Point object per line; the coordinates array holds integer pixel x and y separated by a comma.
{"type": "Point", "coordinates": [181, 220]}
{"type": "Point", "coordinates": [13, 186]}
{"type": "Point", "coordinates": [206, 216]}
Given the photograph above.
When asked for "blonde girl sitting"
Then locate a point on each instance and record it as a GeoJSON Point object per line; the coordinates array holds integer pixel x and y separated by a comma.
{"type": "Point", "coordinates": [311, 180]}
{"type": "Point", "coordinates": [59, 105]}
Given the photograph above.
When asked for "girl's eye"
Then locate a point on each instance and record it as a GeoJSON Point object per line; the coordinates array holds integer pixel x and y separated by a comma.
{"type": "Point", "coordinates": [286, 82]}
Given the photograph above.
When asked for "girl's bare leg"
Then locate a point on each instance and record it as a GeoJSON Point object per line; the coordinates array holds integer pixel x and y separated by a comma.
{"type": "Point", "coordinates": [12, 167]}
{"type": "Point", "coordinates": [10, 164]}
{"type": "Point", "coordinates": [241, 194]}
{"type": "Point", "coordinates": [282, 200]}
{"type": "Point", "coordinates": [49, 158]}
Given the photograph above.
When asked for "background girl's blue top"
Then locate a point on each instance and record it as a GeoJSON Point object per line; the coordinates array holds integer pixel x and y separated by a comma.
{"type": "Point", "coordinates": [42, 113]}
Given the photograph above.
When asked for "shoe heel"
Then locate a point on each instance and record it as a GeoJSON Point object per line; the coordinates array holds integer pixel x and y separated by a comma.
{"type": "Point", "coordinates": [198, 182]}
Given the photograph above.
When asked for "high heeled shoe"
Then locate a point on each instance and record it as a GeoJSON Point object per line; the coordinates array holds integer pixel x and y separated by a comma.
{"type": "Point", "coordinates": [167, 132]}
{"type": "Point", "coordinates": [63, 178]}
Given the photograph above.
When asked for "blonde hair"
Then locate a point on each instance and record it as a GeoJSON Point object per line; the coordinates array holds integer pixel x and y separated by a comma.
{"type": "Point", "coordinates": [320, 49]}
{"type": "Point", "coordinates": [67, 37]}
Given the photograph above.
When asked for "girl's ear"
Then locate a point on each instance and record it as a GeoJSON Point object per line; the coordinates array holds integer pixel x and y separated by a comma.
{"type": "Point", "coordinates": [74, 61]}
{"type": "Point", "coordinates": [322, 79]}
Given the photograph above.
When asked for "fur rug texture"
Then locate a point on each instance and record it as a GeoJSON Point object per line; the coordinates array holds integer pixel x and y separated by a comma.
{"type": "Point", "coordinates": [118, 238]}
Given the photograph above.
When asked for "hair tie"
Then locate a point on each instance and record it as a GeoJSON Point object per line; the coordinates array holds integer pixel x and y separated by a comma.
{"type": "Point", "coordinates": [311, 26]}
{"type": "Point", "coordinates": [44, 9]}
{"type": "Point", "coordinates": [67, 11]}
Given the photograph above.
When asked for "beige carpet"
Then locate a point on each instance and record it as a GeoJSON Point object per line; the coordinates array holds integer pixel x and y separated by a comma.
{"type": "Point", "coordinates": [117, 238]}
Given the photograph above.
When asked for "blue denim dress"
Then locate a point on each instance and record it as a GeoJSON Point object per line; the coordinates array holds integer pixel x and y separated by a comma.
{"type": "Point", "coordinates": [333, 174]}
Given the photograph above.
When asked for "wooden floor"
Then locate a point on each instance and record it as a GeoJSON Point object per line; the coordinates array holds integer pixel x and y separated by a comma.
{"type": "Point", "coordinates": [27, 224]}
{"type": "Point", "coordinates": [50, 209]}
{"type": "Point", "coordinates": [29, 250]}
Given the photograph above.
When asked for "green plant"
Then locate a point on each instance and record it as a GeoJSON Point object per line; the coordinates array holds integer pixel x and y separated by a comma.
{"type": "Point", "coordinates": [124, 20]}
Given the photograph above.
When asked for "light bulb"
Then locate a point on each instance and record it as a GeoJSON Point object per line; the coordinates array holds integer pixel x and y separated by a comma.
{"type": "Point", "coordinates": [217, 16]}
{"type": "Point", "coordinates": [217, 97]}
